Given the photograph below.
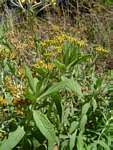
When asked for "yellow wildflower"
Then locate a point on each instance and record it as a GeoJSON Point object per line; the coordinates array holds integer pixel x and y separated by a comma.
{"type": "Point", "coordinates": [4, 51]}
{"type": "Point", "coordinates": [101, 49]}
{"type": "Point", "coordinates": [48, 54]}
{"type": "Point", "coordinates": [82, 43]}
{"type": "Point", "coordinates": [42, 64]}
{"type": "Point", "coordinates": [59, 40]}
{"type": "Point", "coordinates": [58, 49]}
{"type": "Point", "coordinates": [50, 66]}
{"type": "Point", "coordinates": [13, 55]}
{"type": "Point", "coordinates": [39, 63]}
{"type": "Point", "coordinates": [21, 72]}
{"type": "Point", "coordinates": [2, 101]}
{"type": "Point", "coordinates": [15, 89]}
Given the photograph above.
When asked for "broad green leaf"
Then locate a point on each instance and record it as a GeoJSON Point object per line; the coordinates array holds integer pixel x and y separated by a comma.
{"type": "Point", "coordinates": [94, 104]}
{"type": "Point", "coordinates": [92, 146]}
{"type": "Point", "coordinates": [98, 83]}
{"type": "Point", "coordinates": [71, 53]}
{"type": "Point", "coordinates": [54, 88]}
{"type": "Point", "coordinates": [60, 65]}
{"type": "Point", "coordinates": [79, 60]}
{"type": "Point", "coordinates": [46, 128]}
{"type": "Point", "coordinates": [83, 122]}
{"type": "Point", "coordinates": [80, 142]}
{"type": "Point", "coordinates": [64, 144]}
{"type": "Point", "coordinates": [57, 100]}
{"type": "Point", "coordinates": [73, 126]}
{"type": "Point", "coordinates": [44, 84]}
{"type": "Point", "coordinates": [29, 95]}
{"type": "Point", "coordinates": [69, 84]}
{"type": "Point", "coordinates": [35, 82]}
{"type": "Point", "coordinates": [73, 85]}
{"type": "Point", "coordinates": [85, 108]}
{"type": "Point", "coordinates": [30, 78]}
{"type": "Point", "coordinates": [72, 140]}
{"type": "Point", "coordinates": [103, 144]}
{"type": "Point", "coordinates": [13, 139]}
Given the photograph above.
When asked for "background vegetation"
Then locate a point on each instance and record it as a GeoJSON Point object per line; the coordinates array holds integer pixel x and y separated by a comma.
{"type": "Point", "coordinates": [56, 88]}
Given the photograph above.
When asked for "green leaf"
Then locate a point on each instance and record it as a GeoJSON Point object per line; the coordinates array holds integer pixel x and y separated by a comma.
{"type": "Point", "coordinates": [29, 95]}
{"type": "Point", "coordinates": [69, 84]}
{"type": "Point", "coordinates": [83, 122]}
{"type": "Point", "coordinates": [59, 65]}
{"type": "Point", "coordinates": [73, 127]}
{"type": "Point", "coordinates": [79, 60]}
{"type": "Point", "coordinates": [57, 100]}
{"type": "Point", "coordinates": [94, 104]}
{"type": "Point", "coordinates": [73, 85]}
{"type": "Point", "coordinates": [13, 139]}
{"type": "Point", "coordinates": [30, 78]}
{"type": "Point", "coordinates": [54, 88]}
{"type": "Point", "coordinates": [72, 140]}
{"type": "Point", "coordinates": [85, 108]}
{"type": "Point", "coordinates": [71, 53]}
{"type": "Point", "coordinates": [92, 146]}
{"type": "Point", "coordinates": [80, 142]}
{"type": "Point", "coordinates": [103, 144]}
{"type": "Point", "coordinates": [46, 128]}
{"type": "Point", "coordinates": [98, 83]}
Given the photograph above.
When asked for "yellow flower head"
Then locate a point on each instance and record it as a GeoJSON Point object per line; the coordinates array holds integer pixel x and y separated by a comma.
{"type": "Point", "coordinates": [42, 64]}
{"type": "Point", "coordinates": [101, 49]}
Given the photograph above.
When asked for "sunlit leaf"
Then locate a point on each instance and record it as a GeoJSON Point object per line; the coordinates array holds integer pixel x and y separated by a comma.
{"type": "Point", "coordinates": [54, 88]}
{"type": "Point", "coordinates": [46, 127]}
{"type": "Point", "coordinates": [94, 104]}
{"type": "Point", "coordinates": [80, 143]}
{"type": "Point", "coordinates": [13, 139]}
{"type": "Point", "coordinates": [83, 122]}
{"type": "Point", "coordinates": [72, 140]}
{"type": "Point", "coordinates": [73, 85]}
{"type": "Point", "coordinates": [30, 78]}
{"type": "Point", "coordinates": [85, 108]}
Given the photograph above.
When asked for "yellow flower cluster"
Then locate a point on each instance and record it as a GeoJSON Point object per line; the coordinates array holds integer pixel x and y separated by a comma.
{"type": "Point", "coordinates": [101, 49]}
{"type": "Point", "coordinates": [13, 55]}
{"type": "Point", "coordinates": [59, 40]}
{"type": "Point", "coordinates": [4, 51]}
{"type": "Point", "coordinates": [7, 53]}
{"type": "Point", "coordinates": [42, 64]}
{"type": "Point", "coordinates": [3, 101]}
{"type": "Point", "coordinates": [21, 72]}
{"type": "Point", "coordinates": [81, 43]}
{"type": "Point", "coordinates": [15, 89]}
